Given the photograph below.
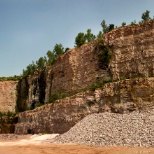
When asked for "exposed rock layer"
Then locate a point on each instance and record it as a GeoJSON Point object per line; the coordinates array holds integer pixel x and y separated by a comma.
{"type": "Point", "coordinates": [132, 50]}
{"type": "Point", "coordinates": [7, 124]}
{"type": "Point", "coordinates": [8, 96]}
{"type": "Point", "coordinates": [121, 97]}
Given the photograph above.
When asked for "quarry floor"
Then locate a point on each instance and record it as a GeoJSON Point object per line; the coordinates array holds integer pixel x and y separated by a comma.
{"type": "Point", "coordinates": [40, 144]}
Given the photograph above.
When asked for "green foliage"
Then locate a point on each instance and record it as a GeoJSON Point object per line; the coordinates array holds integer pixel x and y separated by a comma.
{"type": "Point", "coordinates": [57, 95]}
{"type": "Point", "coordinates": [93, 87]}
{"type": "Point", "coordinates": [80, 39]}
{"type": "Point", "coordinates": [50, 57]}
{"type": "Point", "coordinates": [41, 63]}
{"type": "Point", "coordinates": [110, 27]}
{"type": "Point", "coordinates": [99, 36]}
{"type": "Point", "coordinates": [39, 104]}
{"type": "Point", "coordinates": [89, 36]}
{"type": "Point", "coordinates": [31, 68]}
{"type": "Point", "coordinates": [11, 78]}
{"type": "Point", "coordinates": [104, 54]}
{"type": "Point", "coordinates": [58, 50]}
{"type": "Point", "coordinates": [123, 24]}
{"type": "Point", "coordinates": [146, 16]}
{"type": "Point", "coordinates": [133, 22]}
{"type": "Point", "coordinates": [8, 114]}
{"type": "Point", "coordinates": [106, 28]}
{"type": "Point", "coordinates": [67, 49]}
{"type": "Point", "coordinates": [44, 61]}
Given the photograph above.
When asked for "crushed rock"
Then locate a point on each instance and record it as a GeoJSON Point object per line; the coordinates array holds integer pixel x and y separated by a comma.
{"type": "Point", "coordinates": [112, 129]}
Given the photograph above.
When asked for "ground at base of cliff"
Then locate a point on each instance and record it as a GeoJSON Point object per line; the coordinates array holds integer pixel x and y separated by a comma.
{"type": "Point", "coordinates": [40, 144]}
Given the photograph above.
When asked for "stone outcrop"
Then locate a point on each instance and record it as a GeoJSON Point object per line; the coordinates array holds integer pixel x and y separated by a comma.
{"type": "Point", "coordinates": [7, 124]}
{"type": "Point", "coordinates": [58, 117]}
{"type": "Point", "coordinates": [31, 91]}
{"type": "Point", "coordinates": [8, 96]}
{"type": "Point", "coordinates": [132, 51]}
{"type": "Point", "coordinates": [74, 72]}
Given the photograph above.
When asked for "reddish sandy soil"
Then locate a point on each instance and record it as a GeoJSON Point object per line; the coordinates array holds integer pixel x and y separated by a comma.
{"type": "Point", "coordinates": [25, 145]}
{"type": "Point", "coordinates": [71, 149]}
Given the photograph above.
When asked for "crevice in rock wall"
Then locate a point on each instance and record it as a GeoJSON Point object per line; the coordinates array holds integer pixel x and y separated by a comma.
{"type": "Point", "coordinates": [42, 87]}
{"type": "Point", "coordinates": [22, 95]}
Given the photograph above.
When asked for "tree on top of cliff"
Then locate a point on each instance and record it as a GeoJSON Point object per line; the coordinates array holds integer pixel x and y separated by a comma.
{"type": "Point", "coordinates": [41, 63]}
{"type": "Point", "coordinates": [123, 24]}
{"type": "Point", "coordinates": [31, 68]}
{"type": "Point", "coordinates": [146, 16]}
{"type": "Point", "coordinates": [89, 36]}
{"type": "Point", "coordinates": [106, 28]}
{"type": "Point", "coordinates": [99, 36]}
{"type": "Point", "coordinates": [58, 50]}
{"type": "Point", "coordinates": [80, 39]}
{"type": "Point", "coordinates": [50, 57]}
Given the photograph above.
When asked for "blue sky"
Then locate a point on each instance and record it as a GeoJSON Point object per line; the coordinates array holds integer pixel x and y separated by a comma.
{"type": "Point", "coordinates": [29, 28]}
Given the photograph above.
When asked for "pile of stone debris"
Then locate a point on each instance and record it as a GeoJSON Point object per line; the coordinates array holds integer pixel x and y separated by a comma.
{"type": "Point", "coordinates": [111, 129]}
{"type": "Point", "coordinates": [8, 137]}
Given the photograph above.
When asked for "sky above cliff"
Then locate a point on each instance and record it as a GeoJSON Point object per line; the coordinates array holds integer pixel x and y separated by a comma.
{"type": "Point", "coordinates": [29, 28]}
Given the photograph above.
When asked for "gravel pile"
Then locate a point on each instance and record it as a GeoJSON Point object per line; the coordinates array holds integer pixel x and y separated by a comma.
{"type": "Point", "coordinates": [111, 129]}
{"type": "Point", "coordinates": [8, 136]}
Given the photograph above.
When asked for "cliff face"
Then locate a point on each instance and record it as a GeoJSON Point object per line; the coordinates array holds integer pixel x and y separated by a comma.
{"type": "Point", "coordinates": [8, 96]}
{"type": "Point", "coordinates": [7, 124]}
{"type": "Point", "coordinates": [132, 51]}
{"type": "Point", "coordinates": [121, 97]}
{"type": "Point", "coordinates": [31, 91]}
{"type": "Point", "coordinates": [132, 56]}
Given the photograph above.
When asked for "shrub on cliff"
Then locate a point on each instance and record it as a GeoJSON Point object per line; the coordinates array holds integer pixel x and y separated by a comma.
{"type": "Point", "coordinates": [50, 57]}
{"type": "Point", "coordinates": [58, 50]}
{"type": "Point", "coordinates": [106, 28]}
{"type": "Point", "coordinates": [8, 114]}
{"type": "Point", "coordinates": [89, 36]}
{"type": "Point", "coordinates": [146, 16]}
{"type": "Point", "coordinates": [103, 51]}
{"type": "Point", "coordinates": [57, 95]}
{"type": "Point", "coordinates": [80, 39]}
{"type": "Point", "coordinates": [10, 78]}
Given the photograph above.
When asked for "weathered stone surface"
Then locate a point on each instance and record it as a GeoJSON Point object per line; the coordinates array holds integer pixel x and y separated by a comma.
{"type": "Point", "coordinates": [120, 97]}
{"type": "Point", "coordinates": [31, 91]}
{"type": "Point", "coordinates": [8, 96]}
{"type": "Point", "coordinates": [7, 124]}
{"type": "Point", "coordinates": [132, 51]}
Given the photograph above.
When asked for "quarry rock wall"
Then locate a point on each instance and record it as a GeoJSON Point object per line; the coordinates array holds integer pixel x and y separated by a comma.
{"type": "Point", "coordinates": [73, 73]}
{"type": "Point", "coordinates": [8, 96]}
{"type": "Point", "coordinates": [58, 117]}
{"type": "Point", "coordinates": [132, 55]}
{"type": "Point", "coordinates": [133, 50]}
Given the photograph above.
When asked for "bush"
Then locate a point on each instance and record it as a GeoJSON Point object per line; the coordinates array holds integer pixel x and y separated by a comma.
{"type": "Point", "coordinates": [57, 95]}
{"type": "Point", "coordinates": [9, 114]}
{"type": "Point", "coordinates": [104, 57]}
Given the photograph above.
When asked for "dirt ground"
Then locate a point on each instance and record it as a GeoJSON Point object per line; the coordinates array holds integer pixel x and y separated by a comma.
{"type": "Point", "coordinates": [41, 145]}
{"type": "Point", "coordinates": [71, 149]}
